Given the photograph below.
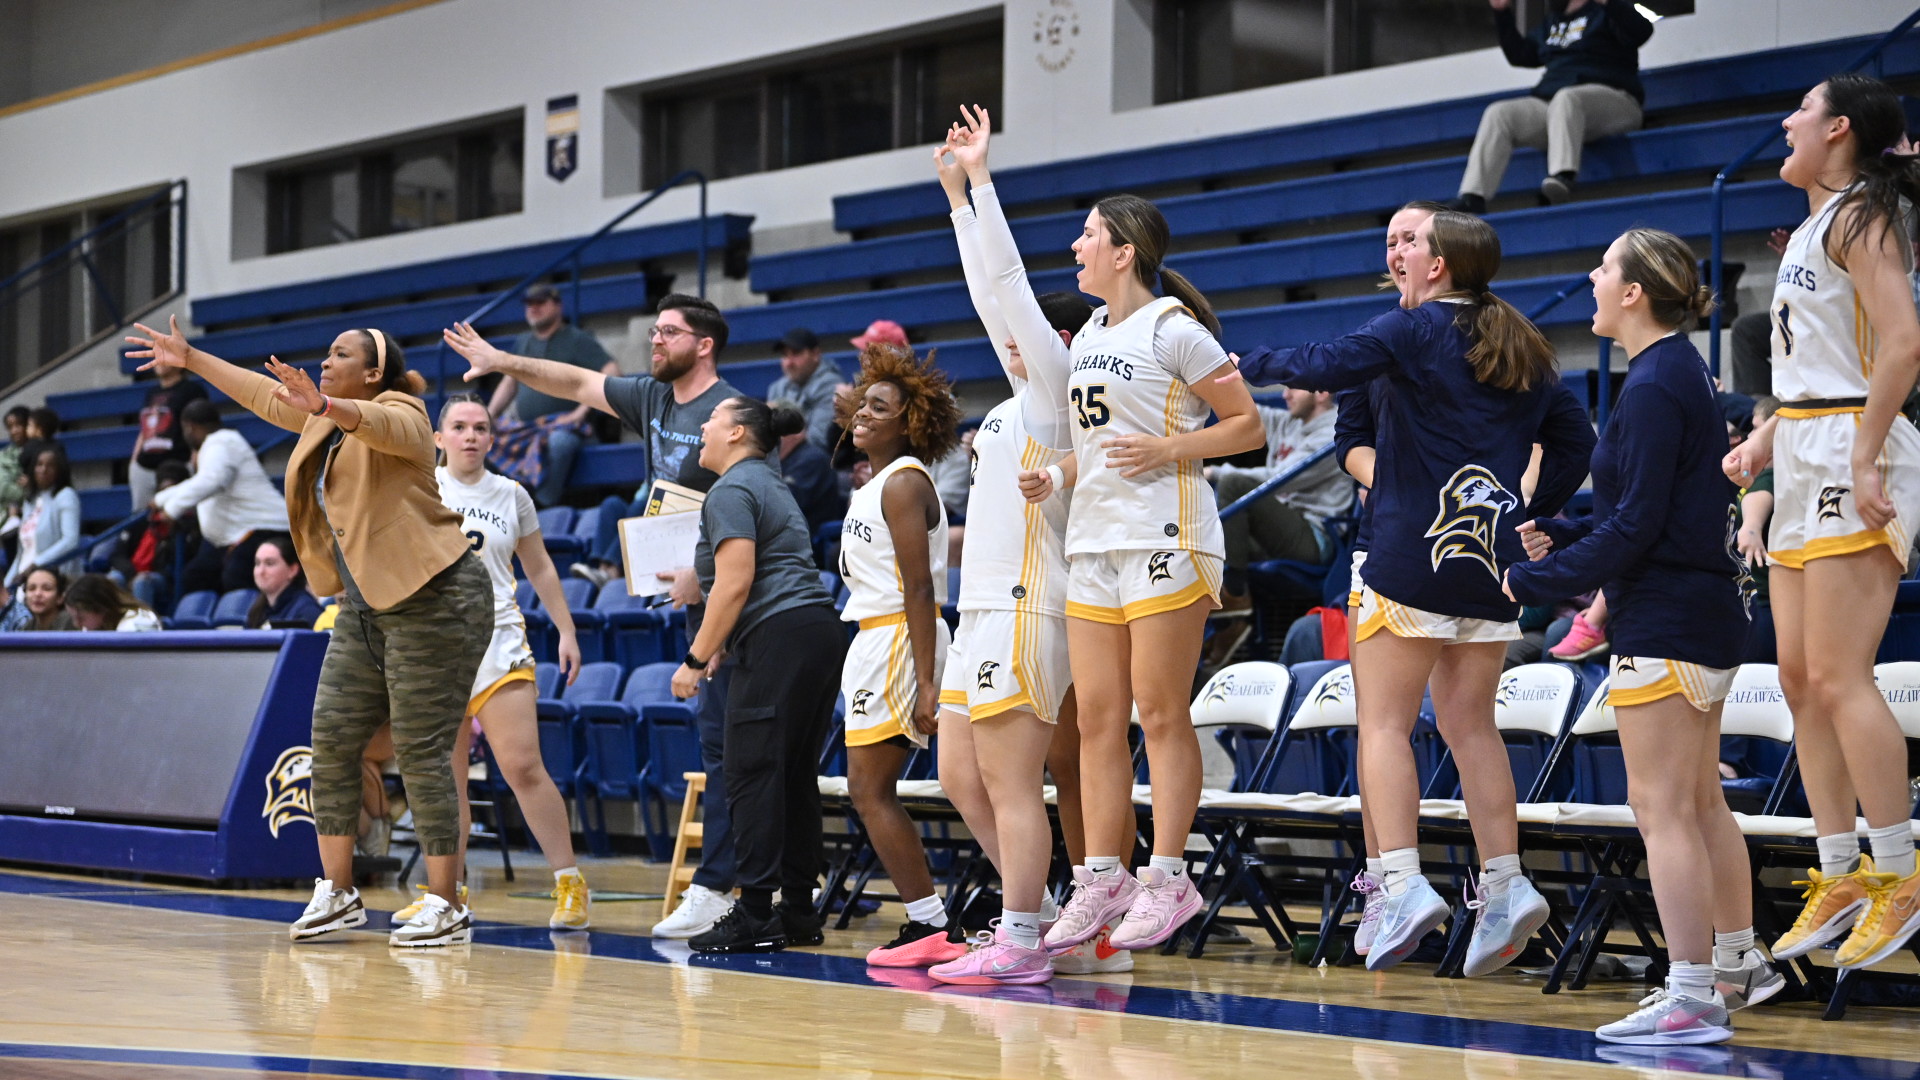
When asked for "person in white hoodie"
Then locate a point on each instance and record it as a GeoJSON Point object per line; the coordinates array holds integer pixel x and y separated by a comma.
{"type": "Point", "coordinates": [230, 493]}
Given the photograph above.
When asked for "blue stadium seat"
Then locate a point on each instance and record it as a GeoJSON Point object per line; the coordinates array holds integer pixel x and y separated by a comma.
{"type": "Point", "coordinates": [546, 680]}
{"type": "Point", "coordinates": [589, 625]}
{"type": "Point", "coordinates": [557, 521]}
{"type": "Point", "coordinates": [100, 555]}
{"type": "Point", "coordinates": [563, 744]}
{"type": "Point", "coordinates": [195, 610]}
{"type": "Point", "coordinates": [635, 633]}
{"type": "Point", "coordinates": [231, 610]}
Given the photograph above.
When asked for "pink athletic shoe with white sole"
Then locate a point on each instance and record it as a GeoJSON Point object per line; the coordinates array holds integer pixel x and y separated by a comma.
{"type": "Point", "coordinates": [1582, 642]}
{"type": "Point", "coordinates": [1097, 900]}
{"type": "Point", "coordinates": [1162, 906]}
{"type": "Point", "coordinates": [996, 961]}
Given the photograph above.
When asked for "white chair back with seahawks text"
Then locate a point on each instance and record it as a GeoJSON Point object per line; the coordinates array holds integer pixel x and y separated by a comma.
{"type": "Point", "coordinates": [1539, 698]}
{"type": "Point", "coordinates": [1900, 684]}
{"type": "Point", "coordinates": [1597, 718]}
{"type": "Point", "coordinates": [1314, 751]}
{"type": "Point", "coordinates": [1755, 706]}
{"type": "Point", "coordinates": [1250, 695]}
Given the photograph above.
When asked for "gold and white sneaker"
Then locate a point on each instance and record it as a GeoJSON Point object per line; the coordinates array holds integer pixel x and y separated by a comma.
{"type": "Point", "coordinates": [407, 913]}
{"type": "Point", "coordinates": [571, 901]}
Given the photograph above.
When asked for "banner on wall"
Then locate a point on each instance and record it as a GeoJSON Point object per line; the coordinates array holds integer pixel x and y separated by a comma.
{"type": "Point", "coordinates": [563, 136]}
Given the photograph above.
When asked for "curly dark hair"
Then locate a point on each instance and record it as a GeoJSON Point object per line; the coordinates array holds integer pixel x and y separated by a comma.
{"type": "Point", "coordinates": [932, 412]}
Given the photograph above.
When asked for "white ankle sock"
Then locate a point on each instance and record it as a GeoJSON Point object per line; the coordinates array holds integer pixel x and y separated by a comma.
{"type": "Point", "coordinates": [1398, 868]}
{"type": "Point", "coordinates": [1892, 848]}
{"type": "Point", "coordinates": [1049, 908]}
{"type": "Point", "coordinates": [928, 910]}
{"type": "Point", "coordinates": [1497, 872]}
{"type": "Point", "coordinates": [1839, 854]}
{"type": "Point", "coordinates": [571, 871]}
{"type": "Point", "coordinates": [1730, 949]}
{"type": "Point", "coordinates": [1690, 980]}
{"type": "Point", "coordinates": [1376, 869]}
{"type": "Point", "coordinates": [1104, 864]}
{"type": "Point", "coordinates": [1173, 865]}
{"type": "Point", "coordinates": [1021, 927]}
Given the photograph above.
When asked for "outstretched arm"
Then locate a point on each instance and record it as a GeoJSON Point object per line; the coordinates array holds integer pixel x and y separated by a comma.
{"type": "Point", "coordinates": [257, 392]}
{"type": "Point", "coordinates": [583, 385]}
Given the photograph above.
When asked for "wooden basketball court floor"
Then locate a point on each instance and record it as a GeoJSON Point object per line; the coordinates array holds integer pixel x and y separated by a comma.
{"type": "Point", "coordinates": [114, 979]}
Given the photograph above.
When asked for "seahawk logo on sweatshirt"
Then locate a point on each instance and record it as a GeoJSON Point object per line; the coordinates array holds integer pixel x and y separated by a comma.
{"type": "Point", "coordinates": [1470, 507]}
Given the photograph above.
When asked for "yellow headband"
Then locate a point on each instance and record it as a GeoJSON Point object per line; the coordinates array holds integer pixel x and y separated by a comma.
{"type": "Point", "coordinates": [379, 350]}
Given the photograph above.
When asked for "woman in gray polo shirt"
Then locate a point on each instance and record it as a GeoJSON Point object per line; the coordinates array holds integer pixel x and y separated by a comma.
{"type": "Point", "coordinates": [766, 606]}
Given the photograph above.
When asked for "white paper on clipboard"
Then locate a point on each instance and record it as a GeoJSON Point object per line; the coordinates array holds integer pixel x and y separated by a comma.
{"type": "Point", "coordinates": [658, 544]}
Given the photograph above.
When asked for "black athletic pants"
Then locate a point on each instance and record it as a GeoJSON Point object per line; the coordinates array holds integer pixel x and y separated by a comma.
{"type": "Point", "coordinates": [785, 680]}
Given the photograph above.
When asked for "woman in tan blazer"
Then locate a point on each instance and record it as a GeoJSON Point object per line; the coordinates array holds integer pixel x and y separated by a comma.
{"type": "Point", "coordinates": [416, 610]}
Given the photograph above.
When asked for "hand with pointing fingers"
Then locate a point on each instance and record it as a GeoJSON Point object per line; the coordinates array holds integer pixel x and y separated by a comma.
{"type": "Point", "coordinates": [168, 350]}
{"type": "Point", "coordinates": [481, 355]}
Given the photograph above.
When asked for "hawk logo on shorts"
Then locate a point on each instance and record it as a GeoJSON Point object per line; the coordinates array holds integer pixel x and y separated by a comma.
{"type": "Point", "coordinates": [289, 789]}
{"type": "Point", "coordinates": [983, 679]}
{"type": "Point", "coordinates": [1469, 517]}
{"type": "Point", "coordinates": [1626, 664]}
{"type": "Point", "coordinates": [1159, 567]}
{"type": "Point", "coordinates": [860, 699]}
{"type": "Point", "coordinates": [1830, 502]}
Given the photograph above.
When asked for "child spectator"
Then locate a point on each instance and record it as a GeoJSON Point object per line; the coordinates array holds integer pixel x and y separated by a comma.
{"type": "Point", "coordinates": [96, 603]}
{"type": "Point", "coordinates": [41, 605]}
{"type": "Point", "coordinates": [144, 557]}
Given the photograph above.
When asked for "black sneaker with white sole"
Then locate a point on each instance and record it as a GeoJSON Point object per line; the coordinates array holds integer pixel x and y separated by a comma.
{"type": "Point", "coordinates": [739, 932]}
{"type": "Point", "coordinates": [802, 924]}
{"type": "Point", "coordinates": [330, 909]}
{"type": "Point", "coordinates": [436, 923]}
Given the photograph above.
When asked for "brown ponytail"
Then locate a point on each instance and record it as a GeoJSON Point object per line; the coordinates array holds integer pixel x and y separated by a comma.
{"type": "Point", "coordinates": [1884, 178]}
{"type": "Point", "coordinates": [1131, 219]}
{"type": "Point", "coordinates": [1508, 352]}
{"type": "Point", "coordinates": [1663, 266]}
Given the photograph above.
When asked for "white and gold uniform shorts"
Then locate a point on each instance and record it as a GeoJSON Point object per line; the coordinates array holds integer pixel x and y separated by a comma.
{"type": "Point", "coordinates": [1355, 584]}
{"type": "Point", "coordinates": [877, 681]}
{"type": "Point", "coordinates": [509, 659]}
{"type": "Point", "coordinates": [1376, 612]}
{"type": "Point", "coordinates": [1813, 511]}
{"type": "Point", "coordinates": [1005, 660]}
{"type": "Point", "coordinates": [1120, 586]}
{"type": "Point", "coordinates": [1638, 680]}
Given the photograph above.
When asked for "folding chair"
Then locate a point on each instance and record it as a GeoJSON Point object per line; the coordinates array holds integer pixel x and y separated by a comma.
{"type": "Point", "coordinates": [617, 748]}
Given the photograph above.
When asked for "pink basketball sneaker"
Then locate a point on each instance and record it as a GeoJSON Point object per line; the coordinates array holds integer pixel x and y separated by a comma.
{"type": "Point", "coordinates": [1097, 900]}
{"type": "Point", "coordinates": [994, 961]}
{"type": "Point", "coordinates": [1162, 906]}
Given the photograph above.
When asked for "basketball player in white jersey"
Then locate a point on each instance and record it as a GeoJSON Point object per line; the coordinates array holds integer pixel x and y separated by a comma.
{"type": "Point", "coordinates": [1007, 682]}
{"type": "Point", "coordinates": [893, 558]}
{"type": "Point", "coordinates": [1144, 549]}
{"type": "Point", "coordinates": [1846, 348]}
{"type": "Point", "coordinates": [500, 522]}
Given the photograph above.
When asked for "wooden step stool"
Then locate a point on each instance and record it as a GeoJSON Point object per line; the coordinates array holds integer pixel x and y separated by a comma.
{"type": "Point", "coordinates": [688, 836]}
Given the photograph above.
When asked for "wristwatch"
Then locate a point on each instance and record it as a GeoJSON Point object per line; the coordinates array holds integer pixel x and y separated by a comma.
{"type": "Point", "coordinates": [695, 664]}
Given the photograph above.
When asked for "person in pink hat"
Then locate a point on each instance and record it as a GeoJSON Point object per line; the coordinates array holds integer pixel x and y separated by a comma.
{"type": "Point", "coordinates": [883, 330]}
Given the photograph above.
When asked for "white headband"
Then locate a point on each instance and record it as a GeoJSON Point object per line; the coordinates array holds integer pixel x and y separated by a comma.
{"type": "Point", "coordinates": [379, 350]}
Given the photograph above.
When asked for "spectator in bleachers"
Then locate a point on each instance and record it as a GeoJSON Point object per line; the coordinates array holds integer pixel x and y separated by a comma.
{"type": "Point", "coordinates": [808, 471]}
{"type": "Point", "coordinates": [1591, 89]}
{"type": "Point", "coordinates": [50, 524]}
{"type": "Point", "coordinates": [808, 381]}
{"type": "Point", "coordinates": [43, 425]}
{"type": "Point", "coordinates": [143, 557]}
{"type": "Point", "coordinates": [13, 486]}
{"type": "Point", "coordinates": [538, 440]}
{"type": "Point", "coordinates": [1750, 368]}
{"type": "Point", "coordinates": [41, 605]}
{"type": "Point", "coordinates": [284, 602]}
{"type": "Point", "coordinates": [96, 603]}
{"type": "Point", "coordinates": [1289, 523]}
{"type": "Point", "coordinates": [667, 408]}
{"type": "Point", "coordinates": [161, 438]}
{"type": "Point", "coordinates": [231, 496]}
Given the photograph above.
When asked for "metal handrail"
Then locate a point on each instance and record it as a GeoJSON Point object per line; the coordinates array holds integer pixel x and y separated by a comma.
{"type": "Point", "coordinates": [1717, 204]}
{"type": "Point", "coordinates": [572, 254]}
{"type": "Point", "coordinates": [165, 194]}
{"type": "Point", "coordinates": [1272, 483]}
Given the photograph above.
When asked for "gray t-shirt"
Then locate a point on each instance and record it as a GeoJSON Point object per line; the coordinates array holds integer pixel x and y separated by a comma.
{"type": "Point", "coordinates": [351, 586]}
{"type": "Point", "coordinates": [568, 345]}
{"type": "Point", "coordinates": [672, 430]}
{"type": "Point", "coordinates": [752, 502]}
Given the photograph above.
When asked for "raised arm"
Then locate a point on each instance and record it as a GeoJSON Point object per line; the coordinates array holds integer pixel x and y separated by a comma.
{"type": "Point", "coordinates": [549, 377]}
{"type": "Point", "coordinates": [254, 391]}
{"type": "Point", "coordinates": [1048, 359]}
{"type": "Point", "coordinates": [966, 233]}
{"type": "Point", "coordinates": [214, 471]}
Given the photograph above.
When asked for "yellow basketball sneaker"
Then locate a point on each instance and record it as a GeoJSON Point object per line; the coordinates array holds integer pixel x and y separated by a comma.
{"type": "Point", "coordinates": [408, 912]}
{"type": "Point", "coordinates": [570, 902]}
{"type": "Point", "coordinates": [1893, 916]}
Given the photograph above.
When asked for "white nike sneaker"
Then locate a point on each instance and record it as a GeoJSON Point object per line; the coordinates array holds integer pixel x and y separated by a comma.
{"type": "Point", "coordinates": [1096, 957]}
{"type": "Point", "coordinates": [437, 923]}
{"type": "Point", "coordinates": [1404, 920]}
{"type": "Point", "coordinates": [330, 909]}
{"type": "Point", "coordinates": [1369, 887]}
{"type": "Point", "coordinates": [1508, 920]}
{"type": "Point", "coordinates": [1753, 982]}
{"type": "Point", "coordinates": [700, 907]}
{"type": "Point", "coordinates": [1667, 1019]}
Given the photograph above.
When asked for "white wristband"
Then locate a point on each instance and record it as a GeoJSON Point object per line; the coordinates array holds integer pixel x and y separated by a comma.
{"type": "Point", "coordinates": [1059, 476]}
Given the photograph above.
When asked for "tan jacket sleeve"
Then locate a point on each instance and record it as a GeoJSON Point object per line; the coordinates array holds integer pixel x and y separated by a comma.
{"type": "Point", "coordinates": [255, 391]}
{"type": "Point", "coordinates": [392, 427]}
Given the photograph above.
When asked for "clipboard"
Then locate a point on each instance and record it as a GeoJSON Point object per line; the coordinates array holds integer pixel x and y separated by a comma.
{"type": "Point", "coordinates": [657, 544]}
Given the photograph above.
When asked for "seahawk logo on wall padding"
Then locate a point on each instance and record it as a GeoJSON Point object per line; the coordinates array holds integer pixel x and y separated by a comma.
{"type": "Point", "coordinates": [289, 789]}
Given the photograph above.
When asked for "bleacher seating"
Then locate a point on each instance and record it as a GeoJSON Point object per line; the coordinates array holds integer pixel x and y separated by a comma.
{"type": "Point", "coordinates": [231, 610]}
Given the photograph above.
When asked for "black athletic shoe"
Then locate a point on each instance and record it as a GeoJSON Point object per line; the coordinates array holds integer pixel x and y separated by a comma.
{"type": "Point", "coordinates": [739, 932]}
{"type": "Point", "coordinates": [1468, 204]}
{"type": "Point", "coordinates": [802, 925]}
{"type": "Point", "coordinates": [1557, 188]}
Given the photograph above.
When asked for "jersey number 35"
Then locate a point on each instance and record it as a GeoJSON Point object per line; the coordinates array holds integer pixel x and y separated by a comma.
{"type": "Point", "coordinates": [1086, 402]}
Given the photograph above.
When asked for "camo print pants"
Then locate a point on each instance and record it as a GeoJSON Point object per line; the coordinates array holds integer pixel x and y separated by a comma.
{"type": "Point", "coordinates": [412, 665]}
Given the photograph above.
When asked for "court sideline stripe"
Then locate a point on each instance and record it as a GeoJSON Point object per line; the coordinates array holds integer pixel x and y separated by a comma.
{"type": "Point", "coordinates": [1271, 1014]}
{"type": "Point", "coordinates": [307, 1066]}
